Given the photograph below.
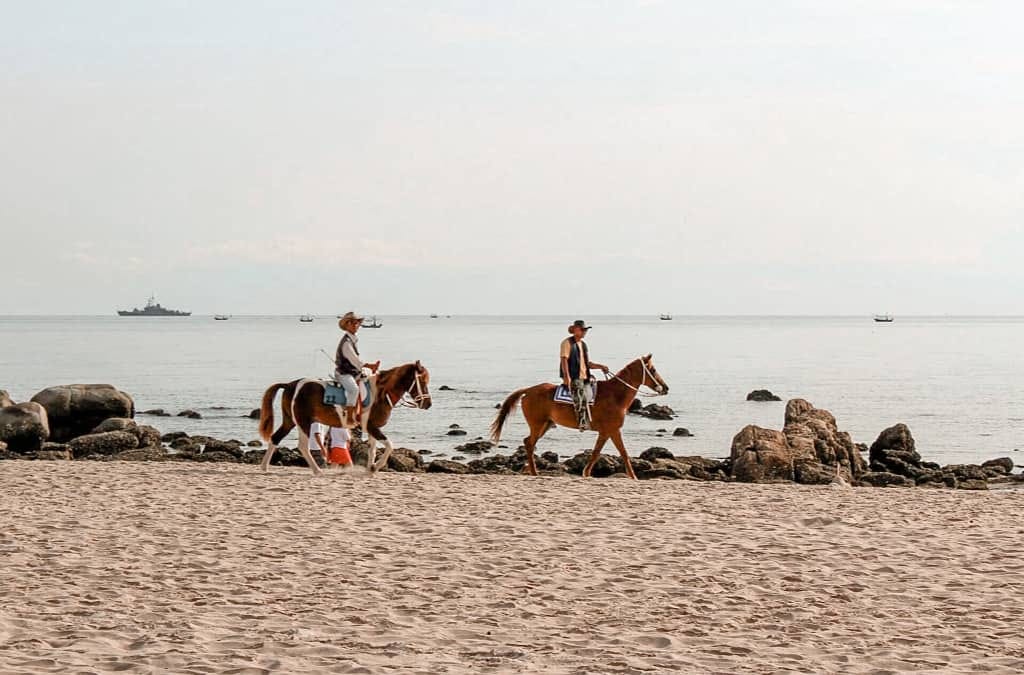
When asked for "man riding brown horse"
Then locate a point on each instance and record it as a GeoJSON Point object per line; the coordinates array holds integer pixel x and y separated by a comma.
{"type": "Point", "coordinates": [575, 367]}
{"type": "Point", "coordinates": [349, 366]}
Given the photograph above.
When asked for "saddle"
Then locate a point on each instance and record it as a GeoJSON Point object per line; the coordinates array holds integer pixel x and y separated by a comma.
{"type": "Point", "coordinates": [334, 394]}
{"type": "Point", "coordinates": [564, 395]}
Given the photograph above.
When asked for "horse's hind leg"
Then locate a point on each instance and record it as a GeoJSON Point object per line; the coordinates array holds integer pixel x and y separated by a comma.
{"type": "Point", "coordinates": [376, 434]}
{"type": "Point", "coordinates": [530, 443]}
{"type": "Point", "coordinates": [617, 440]}
{"type": "Point", "coordinates": [304, 424]}
{"type": "Point", "coordinates": [595, 453]}
{"type": "Point", "coordinates": [286, 427]}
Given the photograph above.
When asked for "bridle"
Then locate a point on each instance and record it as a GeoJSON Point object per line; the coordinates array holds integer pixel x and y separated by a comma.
{"type": "Point", "coordinates": [648, 372]}
{"type": "Point", "coordinates": [407, 399]}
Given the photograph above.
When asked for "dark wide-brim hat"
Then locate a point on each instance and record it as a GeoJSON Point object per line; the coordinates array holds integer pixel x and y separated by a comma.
{"type": "Point", "coordinates": [580, 323]}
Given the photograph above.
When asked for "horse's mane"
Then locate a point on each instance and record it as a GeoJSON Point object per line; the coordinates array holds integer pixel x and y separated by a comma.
{"type": "Point", "coordinates": [402, 372]}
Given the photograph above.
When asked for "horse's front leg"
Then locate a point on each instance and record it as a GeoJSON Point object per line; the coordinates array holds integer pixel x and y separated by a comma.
{"type": "Point", "coordinates": [306, 454]}
{"type": "Point", "coordinates": [388, 448]}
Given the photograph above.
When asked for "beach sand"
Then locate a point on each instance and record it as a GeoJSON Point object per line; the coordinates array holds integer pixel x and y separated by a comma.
{"type": "Point", "coordinates": [188, 568]}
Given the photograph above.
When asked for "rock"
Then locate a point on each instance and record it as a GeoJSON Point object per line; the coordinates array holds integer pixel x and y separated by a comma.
{"type": "Point", "coordinates": [53, 455]}
{"type": "Point", "coordinates": [660, 468]}
{"type": "Point", "coordinates": [456, 432]}
{"type": "Point", "coordinates": [896, 442]}
{"type": "Point", "coordinates": [190, 414]}
{"type": "Point", "coordinates": [5, 399]}
{"type": "Point", "coordinates": [458, 458]}
{"type": "Point", "coordinates": [185, 443]}
{"type": "Point", "coordinates": [446, 466]}
{"type": "Point", "coordinates": [972, 484]}
{"type": "Point", "coordinates": [147, 454]}
{"type": "Point", "coordinates": [219, 456]}
{"type": "Point", "coordinates": [492, 464]}
{"type": "Point", "coordinates": [77, 409]}
{"type": "Point", "coordinates": [156, 412]}
{"type": "Point", "coordinates": [550, 457]}
{"type": "Point", "coordinates": [810, 439]}
{"type": "Point", "coordinates": [254, 414]}
{"type": "Point", "coordinates": [149, 437]}
{"type": "Point", "coordinates": [475, 447]}
{"type": "Point", "coordinates": [762, 395]}
{"type": "Point", "coordinates": [56, 450]}
{"type": "Point", "coordinates": [107, 443]}
{"type": "Point", "coordinates": [255, 443]}
{"type": "Point", "coordinates": [4, 452]}
{"type": "Point", "coordinates": [115, 424]}
{"type": "Point", "coordinates": [24, 427]}
{"type": "Point", "coordinates": [682, 432]}
{"type": "Point", "coordinates": [653, 411]}
{"type": "Point", "coordinates": [405, 460]}
{"type": "Point", "coordinates": [966, 471]}
{"type": "Point", "coordinates": [651, 454]}
{"type": "Point", "coordinates": [233, 448]}
{"type": "Point", "coordinates": [445, 387]}
{"type": "Point", "coordinates": [884, 479]}
{"type": "Point", "coordinates": [424, 452]}
{"type": "Point", "coordinates": [173, 436]}
{"type": "Point", "coordinates": [1002, 465]}
{"type": "Point", "coordinates": [604, 467]}
{"type": "Point", "coordinates": [454, 426]}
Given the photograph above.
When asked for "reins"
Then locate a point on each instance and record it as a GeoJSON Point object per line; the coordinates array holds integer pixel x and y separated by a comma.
{"type": "Point", "coordinates": [643, 382]}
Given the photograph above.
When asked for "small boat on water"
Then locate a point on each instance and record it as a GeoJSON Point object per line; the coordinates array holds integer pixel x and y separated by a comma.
{"type": "Point", "coordinates": [221, 317]}
{"type": "Point", "coordinates": [884, 318]}
{"type": "Point", "coordinates": [433, 316]}
{"type": "Point", "coordinates": [372, 323]}
{"type": "Point", "coordinates": [665, 317]}
{"type": "Point", "coordinates": [306, 318]}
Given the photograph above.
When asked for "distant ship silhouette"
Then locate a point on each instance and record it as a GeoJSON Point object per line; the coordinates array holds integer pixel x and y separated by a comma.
{"type": "Point", "coordinates": [152, 308]}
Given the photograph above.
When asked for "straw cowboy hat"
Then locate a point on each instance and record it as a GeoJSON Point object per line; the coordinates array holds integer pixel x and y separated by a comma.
{"type": "Point", "coordinates": [347, 317]}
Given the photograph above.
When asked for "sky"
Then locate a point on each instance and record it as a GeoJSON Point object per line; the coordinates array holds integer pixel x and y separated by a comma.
{"type": "Point", "coordinates": [728, 157]}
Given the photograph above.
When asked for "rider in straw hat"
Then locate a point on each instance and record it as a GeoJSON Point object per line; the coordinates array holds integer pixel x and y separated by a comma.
{"type": "Point", "coordinates": [575, 367]}
{"type": "Point", "coordinates": [348, 365]}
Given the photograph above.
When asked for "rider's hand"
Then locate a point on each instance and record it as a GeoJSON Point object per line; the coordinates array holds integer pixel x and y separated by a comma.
{"type": "Point", "coordinates": [606, 370]}
{"type": "Point", "coordinates": [374, 366]}
{"type": "Point", "coordinates": [567, 383]}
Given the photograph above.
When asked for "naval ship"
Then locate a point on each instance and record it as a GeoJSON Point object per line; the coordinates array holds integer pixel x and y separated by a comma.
{"type": "Point", "coordinates": [152, 308]}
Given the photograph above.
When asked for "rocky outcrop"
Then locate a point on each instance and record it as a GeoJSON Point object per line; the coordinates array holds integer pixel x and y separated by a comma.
{"type": "Point", "coordinates": [77, 409]}
{"type": "Point", "coordinates": [106, 443]}
{"type": "Point", "coordinates": [190, 414]}
{"type": "Point", "coordinates": [477, 447]}
{"type": "Point", "coordinates": [24, 427]}
{"type": "Point", "coordinates": [762, 395]}
{"type": "Point", "coordinates": [809, 449]}
{"type": "Point", "coordinates": [115, 424]}
{"type": "Point", "coordinates": [651, 411]}
{"type": "Point", "coordinates": [884, 479]}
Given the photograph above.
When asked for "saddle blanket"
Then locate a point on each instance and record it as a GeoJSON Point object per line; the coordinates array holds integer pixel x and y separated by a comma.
{"type": "Point", "coordinates": [335, 395]}
{"type": "Point", "coordinates": [564, 395]}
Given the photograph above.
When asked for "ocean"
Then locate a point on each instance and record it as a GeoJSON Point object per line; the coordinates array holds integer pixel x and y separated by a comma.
{"type": "Point", "coordinates": [958, 383]}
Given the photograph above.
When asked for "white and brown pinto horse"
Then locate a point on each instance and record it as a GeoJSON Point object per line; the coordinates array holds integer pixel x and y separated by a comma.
{"type": "Point", "coordinates": [302, 403]}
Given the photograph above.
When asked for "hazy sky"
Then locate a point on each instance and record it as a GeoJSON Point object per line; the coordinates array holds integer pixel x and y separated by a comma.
{"type": "Point", "coordinates": [793, 156]}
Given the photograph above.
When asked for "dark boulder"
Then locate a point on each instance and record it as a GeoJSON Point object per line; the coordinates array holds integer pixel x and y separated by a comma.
{"type": "Point", "coordinates": [475, 447]}
{"type": "Point", "coordinates": [173, 436]}
{"type": "Point", "coordinates": [255, 443]}
{"type": "Point", "coordinates": [651, 454]}
{"type": "Point", "coordinates": [107, 443]}
{"type": "Point", "coordinates": [148, 436]}
{"type": "Point", "coordinates": [404, 460]}
{"type": "Point", "coordinates": [445, 387]}
{"type": "Point", "coordinates": [77, 409]}
{"type": "Point", "coordinates": [233, 448]}
{"type": "Point", "coordinates": [5, 399]}
{"type": "Point", "coordinates": [682, 432]}
{"type": "Point", "coordinates": [604, 467]}
{"type": "Point", "coordinates": [967, 471]}
{"type": "Point", "coordinates": [884, 479]}
{"type": "Point", "coordinates": [972, 484]}
{"type": "Point", "coordinates": [447, 466]}
{"type": "Point", "coordinates": [254, 414]}
{"type": "Point", "coordinates": [24, 427]}
{"type": "Point", "coordinates": [653, 411]}
{"type": "Point", "coordinates": [115, 424]}
{"type": "Point", "coordinates": [1003, 465]}
{"type": "Point", "coordinates": [894, 451]}
{"type": "Point", "coordinates": [492, 464]}
{"type": "Point", "coordinates": [190, 414]}
{"type": "Point", "coordinates": [146, 454]}
{"type": "Point", "coordinates": [762, 395]}
{"type": "Point", "coordinates": [156, 412]}
{"type": "Point", "coordinates": [456, 432]}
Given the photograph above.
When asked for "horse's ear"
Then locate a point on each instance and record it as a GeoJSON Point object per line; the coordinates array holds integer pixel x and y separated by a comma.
{"type": "Point", "coordinates": [418, 366]}
{"type": "Point", "coordinates": [648, 357]}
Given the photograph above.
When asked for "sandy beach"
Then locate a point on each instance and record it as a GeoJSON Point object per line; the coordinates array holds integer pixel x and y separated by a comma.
{"type": "Point", "coordinates": [184, 568]}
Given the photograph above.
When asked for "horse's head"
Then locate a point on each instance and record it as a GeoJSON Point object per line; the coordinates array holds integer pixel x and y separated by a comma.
{"type": "Point", "coordinates": [652, 378]}
{"type": "Point", "coordinates": [419, 388]}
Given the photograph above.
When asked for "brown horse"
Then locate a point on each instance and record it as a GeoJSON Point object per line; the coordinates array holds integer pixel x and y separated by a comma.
{"type": "Point", "coordinates": [302, 403]}
{"type": "Point", "coordinates": [614, 397]}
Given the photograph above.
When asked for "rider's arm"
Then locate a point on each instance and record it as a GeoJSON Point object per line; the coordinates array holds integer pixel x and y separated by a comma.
{"type": "Point", "coordinates": [599, 366]}
{"type": "Point", "coordinates": [564, 350]}
{"type": "Point", "coordinates": [565, 371]}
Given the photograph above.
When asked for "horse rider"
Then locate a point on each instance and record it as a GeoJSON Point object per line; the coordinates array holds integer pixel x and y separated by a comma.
{"type": "Point", "coordinates": [575, 370]}
{"type": "Point", "coordinates": [348, 366]}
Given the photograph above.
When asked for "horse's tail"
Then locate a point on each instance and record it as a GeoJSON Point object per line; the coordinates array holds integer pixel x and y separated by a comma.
{"type": "Point", "coordinates": [267, 409]}
{"type": "Point", "coordinates": [506, 409]}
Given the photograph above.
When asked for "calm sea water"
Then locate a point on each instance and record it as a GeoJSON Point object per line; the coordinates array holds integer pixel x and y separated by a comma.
{"type": "Point", "coordinates": [957, 382]}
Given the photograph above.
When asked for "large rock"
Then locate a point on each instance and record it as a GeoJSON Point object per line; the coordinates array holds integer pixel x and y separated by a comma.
{"type": "Point", "coordinates": [884, 479]}
{"type": "Point", "coordinates": [652, 411]}
{"type": "Point", "coordinates": [475, 447]}
{"type": "Point", "coordinates": [107, 443]}
{"type": "Point", "coordinates": [77, 409]}
{"type": "Point", "coordinates": [405, 460]}
{"type": "Point", "coordinates": [24, 427]}
{"type": "Point", "coordinates": [115, 424]}
{"type": "Point", "coordinates": [5, 399]}
{"type": "Point", "coordinates": [810, 449]}
{"type": "Point", "coordinates": [1002, 465]}
{"type": "Point", "coordinates": [894, 451]}
{"type": "Point", "coordinates": [148, 454]}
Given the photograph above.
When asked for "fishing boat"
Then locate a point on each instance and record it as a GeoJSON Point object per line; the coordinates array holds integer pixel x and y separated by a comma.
{"type": "Point", "coordinates": [433, 316]}
{"type": "Point", "coordinates": [884, 318]}
{"type": "Point", "coordinates": [221, 317]}
{"type": "Point", "coordinates": [152, 308]}
{"type": "Point", "coordinates": [306, 318]}
{"type": "Point", "coordinates": [665, 317]}
{"type": "Point", "coordinates": [372, 323]}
